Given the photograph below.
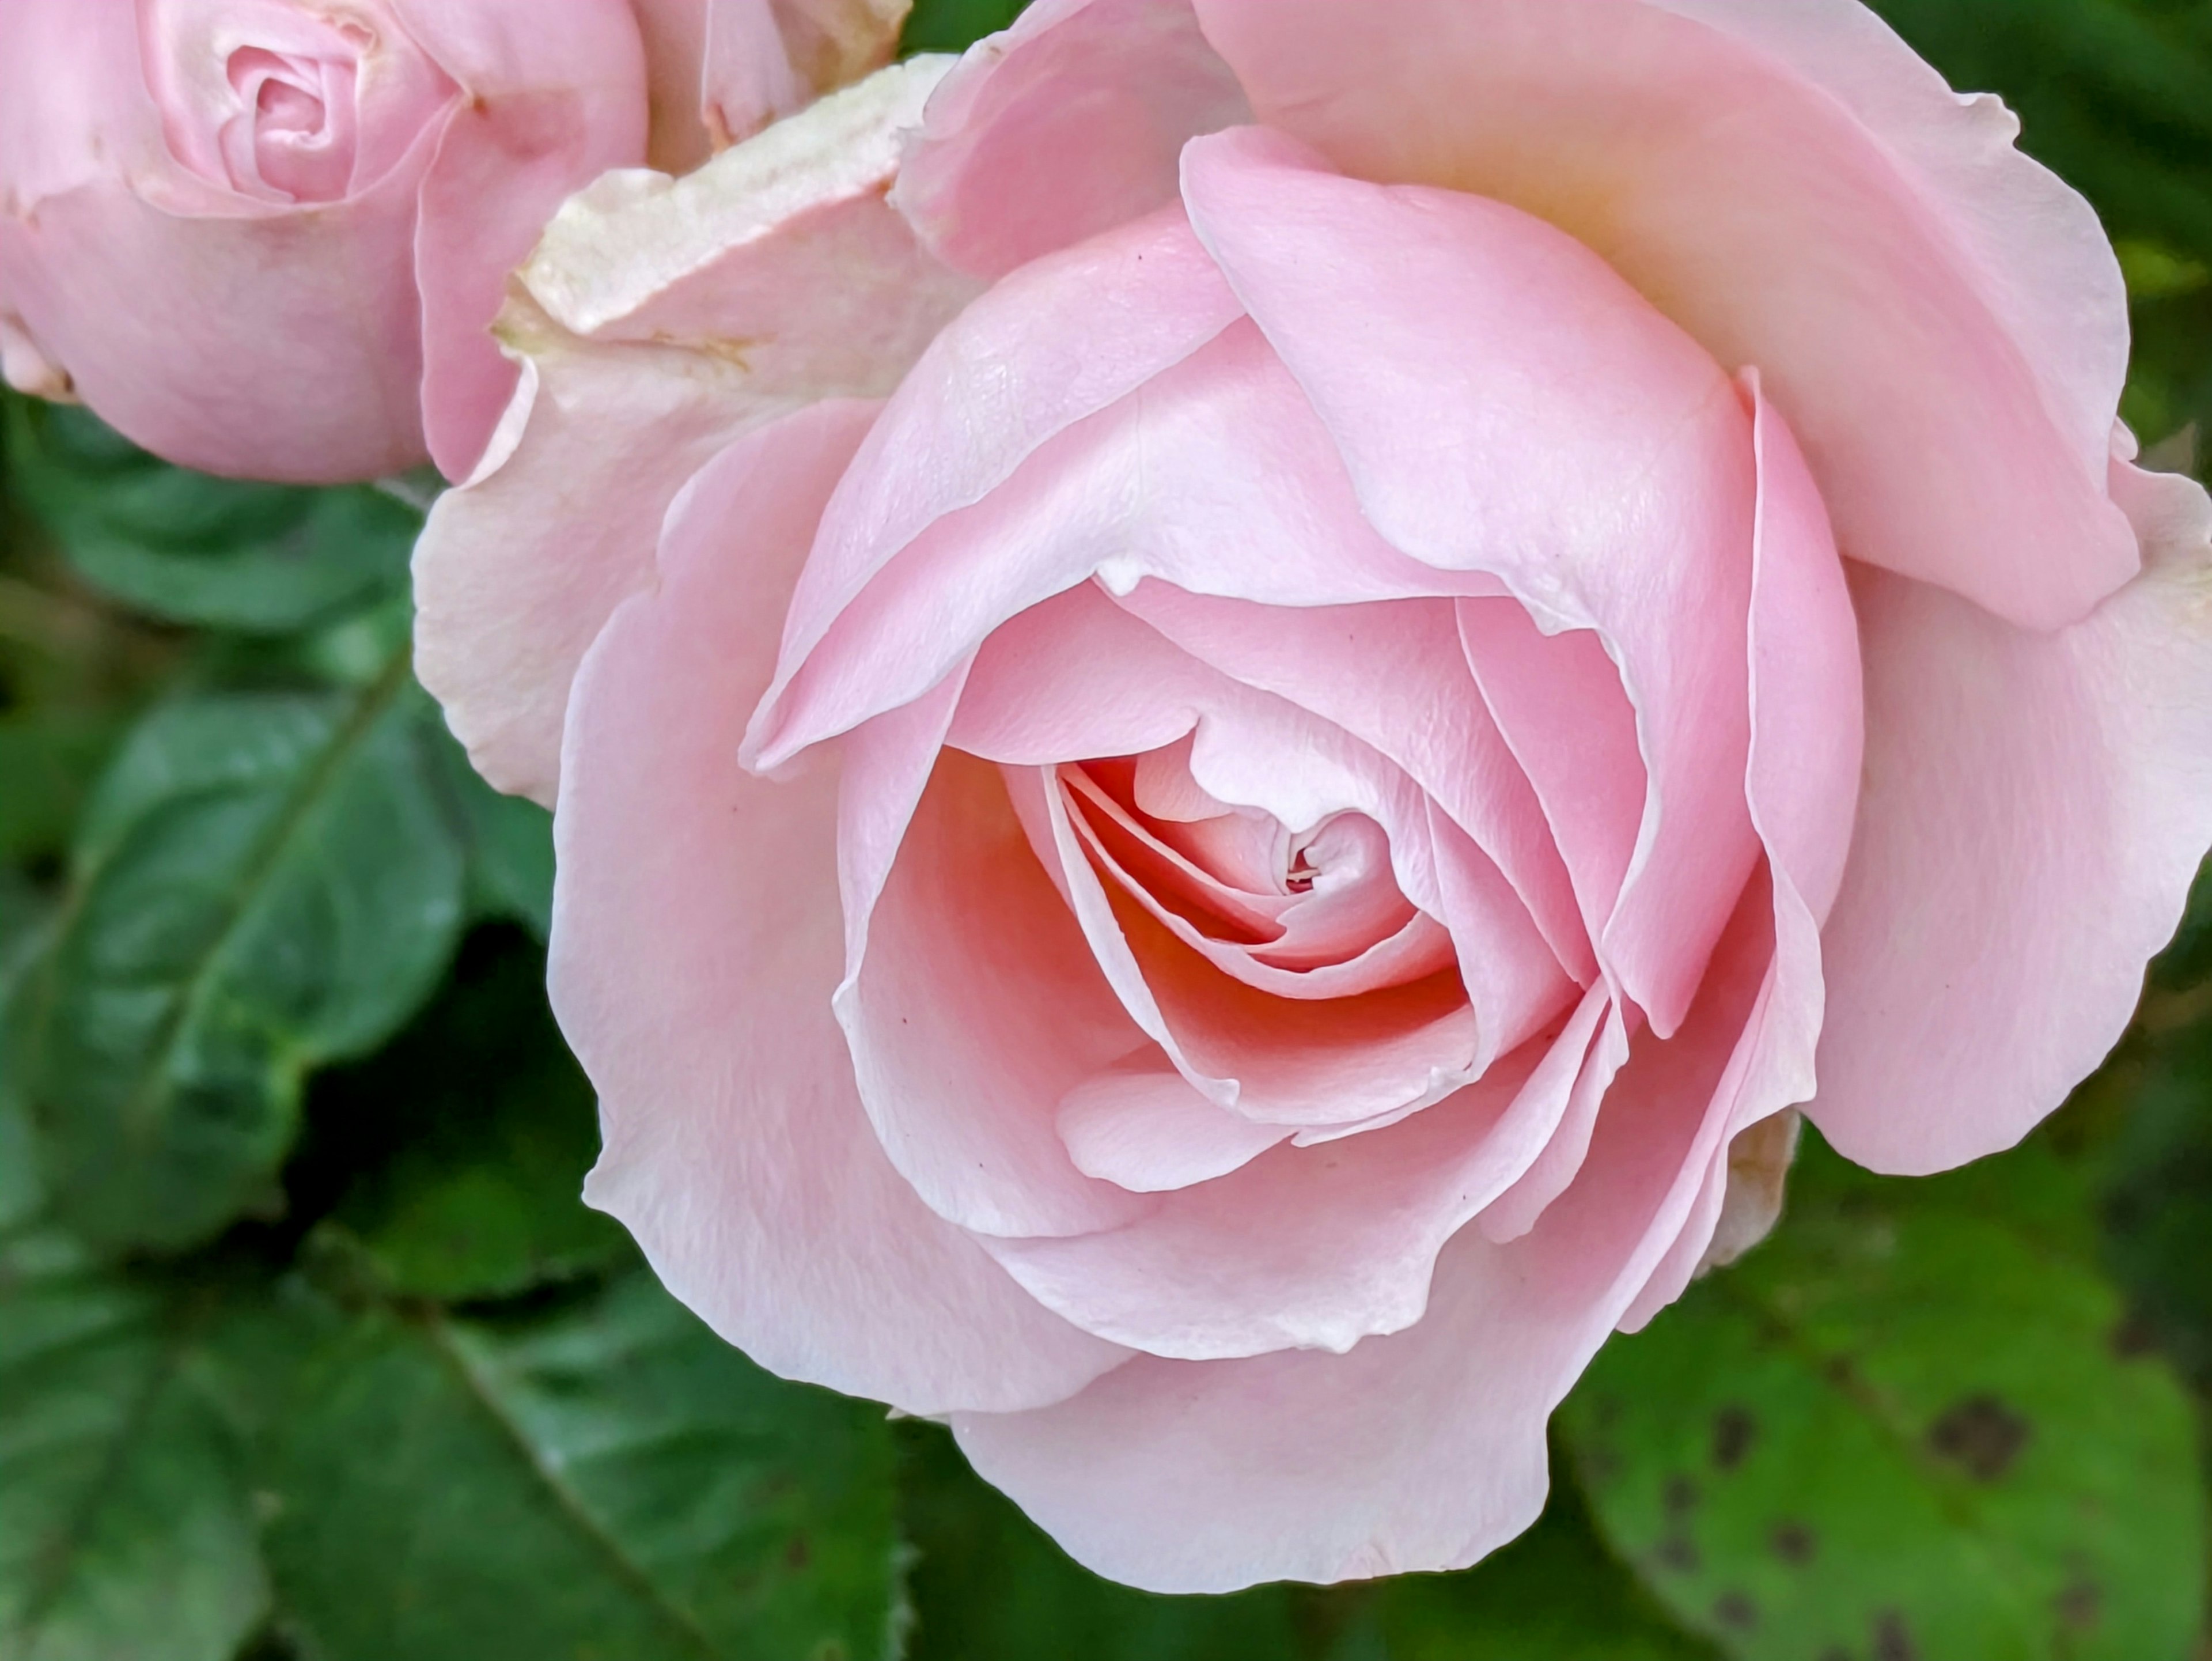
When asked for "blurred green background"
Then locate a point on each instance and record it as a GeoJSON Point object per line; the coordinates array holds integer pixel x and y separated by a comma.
{"type": "Point", "coordinates": [308, 1349]}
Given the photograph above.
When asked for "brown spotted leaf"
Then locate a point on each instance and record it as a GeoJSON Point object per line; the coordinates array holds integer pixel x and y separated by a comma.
{"type": "Point", "coordinates": [1902, 1431]}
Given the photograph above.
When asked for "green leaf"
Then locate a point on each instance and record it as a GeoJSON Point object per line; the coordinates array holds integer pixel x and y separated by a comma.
{"type": "Point", "coordinates": [989, 1585]}
{"type": "Point", "coordinates": [1912, 1425]}
{"type": "Point", "coordinates": [49, 758]}
{"type": "Point", "coordinates": [605, 1479]}
{"type": "Point", "coordinates": [495, 1125]}
{"type": "Point", "coordinates": [264, 883]}
{"type": "Point", "coordinates": [258, 557]}
{"type": "Point", "coordinates": [2159, 1210]}
{"type": "Point", "coordinates": [510, 850]}
{"type": "Point", "coordinates": [126, 1415]}
{"type": "Point", "coordinates": [955, 24]}
{"type": "Point", "coordinates": [23, 919]}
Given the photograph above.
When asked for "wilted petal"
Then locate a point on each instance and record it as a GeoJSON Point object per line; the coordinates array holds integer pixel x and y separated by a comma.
{"type": "Point", "coordinates": [683, 312]}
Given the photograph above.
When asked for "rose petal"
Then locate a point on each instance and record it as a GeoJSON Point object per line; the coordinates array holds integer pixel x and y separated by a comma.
{"type": "Point", "coordinates": [108, 283]}
{"type": "Point", "coordinates": [1313, 1247]}
{"type": "Point", "coordinates": [674, 35]}
{"type": "Point", "coordinates": [1955, 440]}
{"type": "Point", "coordinates": [515, 574]}
{"type": "Point", "coordinates": [1391, 674]}
{"type": "Point", "coordinates": [1420, 1451]}
{"type": "Point", "coordinates": [1067, 125]}
{"type": "Point", "coordinates": [1140, 1126]}
{"type": "Point", "coordinates": [1758, 1162]}
{"type": "Point", "coordinates": [1558, 706]}
{"type": "Point", "coordinates": [1389, 951]}
{"type": "Point", "coordinates": [1060, 341]}
{"type": "Point", "coordinates": [974, 1007]}
{"type": "Point", "coordinates": [731, 260]}
{"type": "Point", "coordinates": [748, 78]}
{"type": "Point", "coordinates": [1615, 494]}
{"type": "Point", "coordinates": [1554, 1169]}
{"type": "Point", "coordinates": [1216, 477]}
{"type": "Point", "coordinates": [832, 42]}
{"type": "Point", "coordinates": [542, 111]}
{"type": "Point", "coordinates": [2036, 254]}
{"type": "Point", "coordinates": [2034, 809]}
{"type": "Point", "coordinates": [696, 941]}
{"type": "Point", "coordinates": [1802, 781]}
{"type": "Point", "coordinates": [23, 362]}
{"type": "Point", "coordinates": [1077, 676]}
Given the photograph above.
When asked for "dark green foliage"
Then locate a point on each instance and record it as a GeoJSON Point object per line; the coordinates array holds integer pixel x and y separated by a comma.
{"type": "Point", "coordinates": [603, 1478]}
{"type": "Point", "coordinates": [129, 1410]}
{"type": "Point", "coordinates": [955, 24]}
{"type": "Point", "coordinates": [50, 758]}
{"type": "Point", "coordinates": [263, 882]}
{"type": "Point", "coordinates": [470, 1136]}
{"type": "Point", "coordinates": [190, 549]}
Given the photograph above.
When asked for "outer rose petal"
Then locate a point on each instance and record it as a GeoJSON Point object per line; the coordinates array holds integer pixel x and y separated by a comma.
{"type": "Point", "coordinates": [547, 103]}
{"type": "Point", "coordinates": [515, 573]}
{"type": "Point", "coordinates": [1067, 125]}
{"type": "Point", "coordinates": [694, 977]}
{"type": "Point", "coordinates": [2034, 809]}
{"type": "Point", "coordinates": [1788, 235]}
{"type": "Point", "coordinates": [1420, 1451]}
{"type": "Point", "coordinates": [2038, 257]}
{"type": "Point", "coordinates": [322, 388]}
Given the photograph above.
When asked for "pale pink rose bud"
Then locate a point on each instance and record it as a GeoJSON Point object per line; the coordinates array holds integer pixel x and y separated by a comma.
{"type": "Point", "coordinates": [1223, 771]}
{"type": "Point", "coordinates": [268, 238]}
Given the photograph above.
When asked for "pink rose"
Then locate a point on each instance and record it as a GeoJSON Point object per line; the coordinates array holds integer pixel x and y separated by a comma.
{"type": "Point", "coordinates": [267, 237]}
{"type": "Point", "coordinates": [1493, 594]}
